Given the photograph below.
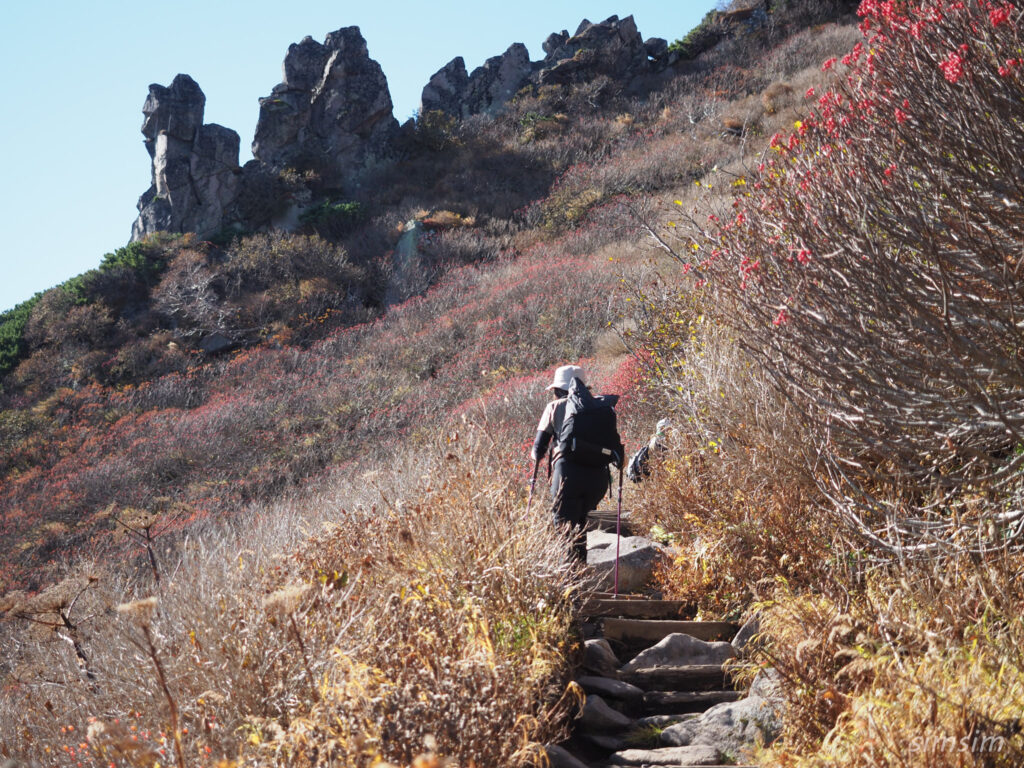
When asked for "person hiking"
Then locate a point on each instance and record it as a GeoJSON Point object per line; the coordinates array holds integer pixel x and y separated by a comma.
{"type": "Point", "coordinates": [639, 463]}
{"type": "Point", "coordinates": [578, 482]}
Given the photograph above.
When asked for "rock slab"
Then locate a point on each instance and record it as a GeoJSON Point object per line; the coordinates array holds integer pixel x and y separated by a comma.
{"type": "Point", "coordinates": [637, 558]}
{"type": "Point", "coordinates": [598, 716]}
{"type": "Point", "coordinates": [598, 657]}
{"type": "Point", "coordinates": [679, 649]}
{"type": "Point", "coordinates": [676, 756]}
{"type": "Point", "coordinates": [612, 689]}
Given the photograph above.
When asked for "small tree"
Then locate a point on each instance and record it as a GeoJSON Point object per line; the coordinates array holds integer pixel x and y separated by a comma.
{"type": "Point", "coordinates": [145, 525]}
{"type": "Point", "coordinates": [54, 611]}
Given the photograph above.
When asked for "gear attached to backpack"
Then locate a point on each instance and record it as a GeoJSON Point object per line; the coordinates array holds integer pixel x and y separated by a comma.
{"type": "Point", "coordinates": [638, 468]}
{"type": "Point", "coordinates": [589, 433]}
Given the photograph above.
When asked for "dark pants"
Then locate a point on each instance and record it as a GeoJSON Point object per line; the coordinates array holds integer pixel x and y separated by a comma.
{"type": "Point", "coordinates": [575, 491]}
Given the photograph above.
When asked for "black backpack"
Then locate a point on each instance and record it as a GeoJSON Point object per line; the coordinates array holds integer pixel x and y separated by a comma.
{"type": "Point", "coordinates": [589, 434]}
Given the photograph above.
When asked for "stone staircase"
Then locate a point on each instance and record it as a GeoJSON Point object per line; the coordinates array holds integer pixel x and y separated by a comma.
{"type": "Point", "coordinates": [652, 679]}
{"type": "Point", "coordinates": [658, 692]}
{"type": "Point", "coordinates": [674, 673]}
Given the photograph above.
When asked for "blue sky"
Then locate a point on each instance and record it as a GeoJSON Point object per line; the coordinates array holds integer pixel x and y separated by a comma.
{"type": "Point", "coordinates": [77, 74]}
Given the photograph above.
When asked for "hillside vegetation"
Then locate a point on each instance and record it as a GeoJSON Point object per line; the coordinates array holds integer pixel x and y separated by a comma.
{"type": "Point", "coordinates": [311, 547]}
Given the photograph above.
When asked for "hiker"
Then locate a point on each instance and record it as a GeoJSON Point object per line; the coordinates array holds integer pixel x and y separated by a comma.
{"type": "Point", "coordinates": [639, 463]}
{"type": "Point", "coordinates": [578, 481]}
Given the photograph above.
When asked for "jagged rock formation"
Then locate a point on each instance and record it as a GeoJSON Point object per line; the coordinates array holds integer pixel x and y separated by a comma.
{"type": "Point", "coordinates": [490, 86]}
{"type": "Point", "coordinates": [447, 89]}
{"type": "Point", "coordinates": [613, 47]}
{"type": "Point", "coordinates": [195, 173]}
{"type": "Point", "coordinates": [331, 113]}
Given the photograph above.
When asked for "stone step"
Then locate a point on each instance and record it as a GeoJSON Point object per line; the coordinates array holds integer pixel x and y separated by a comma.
{"type": "Point", "coordinates": [679, 702]}
{"type": "Point", "coordinates": [596, 607]}
{"type": "Point", "coordinates": [667, 756]}
{"type": "Point", "coordinates": [690, 677]}
{"type": "Point", "coordinates": [605, 520]}
{"type": "Point", "coordinates": [640, 632]}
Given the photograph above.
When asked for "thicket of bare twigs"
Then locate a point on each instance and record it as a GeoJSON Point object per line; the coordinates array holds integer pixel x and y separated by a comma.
{"type": "Point", "coordinates": [851, 325]}
{"type": "Point", "coordinates": [876, 263]}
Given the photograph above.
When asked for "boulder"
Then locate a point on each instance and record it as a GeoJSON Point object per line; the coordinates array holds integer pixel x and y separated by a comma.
{"type": "Point", "coordinates": [678, 650]}
{"type": "Point", "coordinates": [215, 343]}
{"type": "Point", "coordinates": [600, 539]}
{"type": "Point", "coordinates": [735, 726]}
{"type": "Point", "coordinates": [677, 756]}
{"type": "Point", "coordinates": [332, 112]}
{"type": "Point", "coordinates": [637, 559]}
{"type": "Point", "coordinates": [748, 633]}
{"type": "Point", "coordinates": [598, 657]}
{"type": "Point", "coordinates": [598, 716]}
{"type": "Point", "coordinates": [195, 177]}
{"type": "Point", "coordinates": [656, 47]}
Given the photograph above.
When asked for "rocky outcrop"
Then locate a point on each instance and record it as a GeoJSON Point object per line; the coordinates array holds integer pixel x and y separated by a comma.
{"type": "Point", "coordinates": [195, 175]}
{"type": "Point", "coordinates": [637, 558]}
{"type": "Point", "coordinates": [487, 89]}
{"type": "Point", "coordinates": [612, 47]}
{"type": "Point", "coordinates": [332, 112]}
{"type": "Point", "coordinates": [447, 89]}
{"type": "Point", "coordinates": [498, 80]}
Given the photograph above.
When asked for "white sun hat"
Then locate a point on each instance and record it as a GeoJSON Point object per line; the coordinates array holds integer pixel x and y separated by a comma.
{"type": "Point", "coordinates": [565, 375]}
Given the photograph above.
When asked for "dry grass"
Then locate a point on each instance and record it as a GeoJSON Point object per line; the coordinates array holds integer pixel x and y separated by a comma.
{"type": "Point", "coordinates": [445, 624]}
{"type": "Point", "coordinates": [734, 489]}
{"type": "Point", "coordinates": [909, 670]}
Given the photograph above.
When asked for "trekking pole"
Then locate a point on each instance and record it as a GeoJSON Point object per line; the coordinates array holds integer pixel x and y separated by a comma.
{"type": "Point", "coordinates": [533, 482]}
{"type": "Point", "coordinates": [618, 532]}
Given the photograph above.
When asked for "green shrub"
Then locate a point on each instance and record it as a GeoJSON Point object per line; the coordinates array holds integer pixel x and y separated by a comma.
{"type": "Point", "coordinates": [699, 39]}
{"type": "Point", "coordinates": [12, 327]}
{"type": "Point", "coordinates": [331, 217]}
{"type": "Point", "coordinates": [140, 258]}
